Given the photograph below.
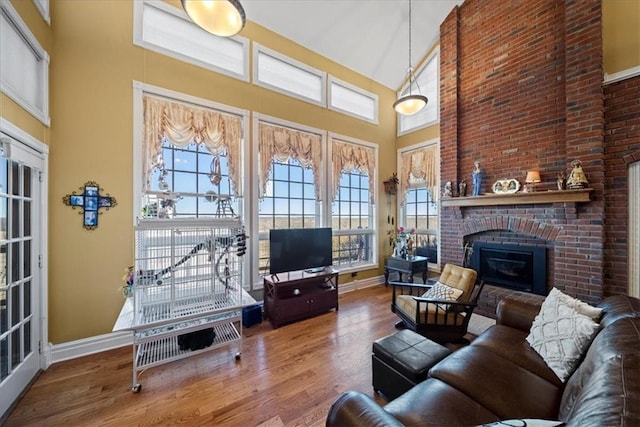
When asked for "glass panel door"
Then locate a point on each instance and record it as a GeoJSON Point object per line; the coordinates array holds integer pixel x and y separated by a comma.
{"type": "Point", "coordinates": [19, 279]}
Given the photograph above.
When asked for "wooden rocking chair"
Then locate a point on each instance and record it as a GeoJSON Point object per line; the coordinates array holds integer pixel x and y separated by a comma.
{"type": "Point", "coordinates": [441, 320]}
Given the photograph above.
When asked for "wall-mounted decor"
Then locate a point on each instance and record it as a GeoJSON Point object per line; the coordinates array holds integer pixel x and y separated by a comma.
{"type": "Point", "coordinates": [505, 186]}
{"type": "Point", "coordinates": [391, 185]}
{"type": "Point", "coordinates": [90, 201]}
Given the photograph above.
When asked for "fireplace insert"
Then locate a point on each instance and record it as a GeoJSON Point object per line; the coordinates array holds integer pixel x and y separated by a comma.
{"type": "Point", "coordinates": [521, 268]}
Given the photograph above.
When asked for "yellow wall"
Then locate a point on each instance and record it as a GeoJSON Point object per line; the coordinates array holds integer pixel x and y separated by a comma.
{"type": "Point", "coordinates": [95, 63]}
{"type": "Point", "coordinates": [621, 35]}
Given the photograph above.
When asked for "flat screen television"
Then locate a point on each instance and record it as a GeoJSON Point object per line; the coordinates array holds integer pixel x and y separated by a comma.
{"type": "Point", "coordinates": [295, 249]}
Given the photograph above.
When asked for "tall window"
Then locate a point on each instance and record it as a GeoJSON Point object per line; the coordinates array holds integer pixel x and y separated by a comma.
{"type": "Point", "coordinates": [352, 211]}
{"type": "Point", "coordinates": [419, 201]}
{"type": "Point", "coordinates": [289, 182]}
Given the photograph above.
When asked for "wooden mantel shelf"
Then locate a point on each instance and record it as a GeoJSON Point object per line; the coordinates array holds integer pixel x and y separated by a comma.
{"type": "Point", "coordinates": [539, 197]}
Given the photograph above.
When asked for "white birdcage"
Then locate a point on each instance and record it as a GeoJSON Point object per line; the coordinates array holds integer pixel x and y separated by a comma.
{"type": "Point", "coordinates": [185, 268]}
{"type": "Point", "coordinates": [188, 280]}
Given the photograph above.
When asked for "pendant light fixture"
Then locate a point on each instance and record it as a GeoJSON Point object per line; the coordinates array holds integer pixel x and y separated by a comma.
{"type": "Point", "coordinates": [223, 18]}
{"type": "Point", "coordinates": [411, 103]}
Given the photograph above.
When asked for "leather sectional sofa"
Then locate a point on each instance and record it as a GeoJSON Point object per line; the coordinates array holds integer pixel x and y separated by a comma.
{"type": "Point", "coordinates": [499, 377]}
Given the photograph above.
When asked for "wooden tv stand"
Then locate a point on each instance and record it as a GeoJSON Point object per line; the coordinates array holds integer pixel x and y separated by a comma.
{"type": "Point", "coordinates": [296, 295]}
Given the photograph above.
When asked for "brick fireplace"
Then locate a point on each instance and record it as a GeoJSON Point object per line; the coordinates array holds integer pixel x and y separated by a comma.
{"type": "Point", "coordinates": [521, 89]}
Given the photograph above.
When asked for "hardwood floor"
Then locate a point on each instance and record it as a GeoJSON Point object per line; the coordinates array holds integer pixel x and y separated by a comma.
{"type": "Point", "coordinates": [286, 377]}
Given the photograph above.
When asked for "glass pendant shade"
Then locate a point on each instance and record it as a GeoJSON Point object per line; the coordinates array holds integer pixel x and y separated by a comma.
{"type": "Point", "coordinates": [410, 104]}
{"type": "Point", "coordinates": [223, 18]}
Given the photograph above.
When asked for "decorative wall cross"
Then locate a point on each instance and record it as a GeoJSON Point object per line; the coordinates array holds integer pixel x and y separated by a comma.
{"type": "Point", "coordinates": [90, 201]}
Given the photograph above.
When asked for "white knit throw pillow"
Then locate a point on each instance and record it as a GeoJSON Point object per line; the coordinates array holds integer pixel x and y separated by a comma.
{"type": "Point", "coordinates": [561, 335]}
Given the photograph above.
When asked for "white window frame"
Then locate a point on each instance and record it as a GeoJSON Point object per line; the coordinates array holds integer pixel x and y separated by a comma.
{"type": "Point", "coordinates": [173, 13]}
{"type": "Point", "coordinates": [434, 99]}
{"type": "Point", "coordinates": [43, 8]}
{"type": "Point", "coordinates": [29, 46]}
{"type": "Point", "coordinates": [400, 206]}
{"type": "Point", "coordinates": [259, 50]}
{"type": "Point", "coordinates": [334, 81]}
{"type": "Point", "coordinates": [374, 231]}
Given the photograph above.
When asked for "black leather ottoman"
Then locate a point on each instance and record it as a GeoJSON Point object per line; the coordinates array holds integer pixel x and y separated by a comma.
{"type": "Point", "coordinates": [403, 359]}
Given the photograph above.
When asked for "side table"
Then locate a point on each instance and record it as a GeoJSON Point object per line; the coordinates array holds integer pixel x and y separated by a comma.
{"type": "Point", "coordinates": [410, 265]}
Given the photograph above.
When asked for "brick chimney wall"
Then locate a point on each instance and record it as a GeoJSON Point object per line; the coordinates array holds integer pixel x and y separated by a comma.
{"type": "Point", "coordinates": [521, 89]}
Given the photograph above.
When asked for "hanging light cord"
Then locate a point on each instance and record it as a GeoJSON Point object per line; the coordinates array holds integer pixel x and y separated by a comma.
{"type": "Point", "coordinates": [411, 75]}
{"type": "Point", "coordinates": [410, 67]}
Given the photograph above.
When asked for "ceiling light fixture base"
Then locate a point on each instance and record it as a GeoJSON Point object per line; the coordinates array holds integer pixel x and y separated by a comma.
{"type": "Point", "coordinates": [223, 18]}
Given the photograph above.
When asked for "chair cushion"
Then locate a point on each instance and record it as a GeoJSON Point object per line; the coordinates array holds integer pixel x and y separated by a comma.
{"type": "Point", "coordinates": [459, 277]}
{"type": "Point", "coordinates": [429, 313]}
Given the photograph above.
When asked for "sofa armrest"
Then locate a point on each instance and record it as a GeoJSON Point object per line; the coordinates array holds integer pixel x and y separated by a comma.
{"type": "Point", "coordinates": [517, 312]}
{"type": "Point", "coordinates": [357, 409]}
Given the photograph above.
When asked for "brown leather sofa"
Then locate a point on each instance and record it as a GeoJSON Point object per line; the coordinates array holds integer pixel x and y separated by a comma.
{"type": "Point", "coordinates": [499, 376]}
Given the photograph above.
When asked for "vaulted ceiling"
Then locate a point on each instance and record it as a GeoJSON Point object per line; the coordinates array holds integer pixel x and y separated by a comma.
{"type": "Point", "coordinates": [370, 37]}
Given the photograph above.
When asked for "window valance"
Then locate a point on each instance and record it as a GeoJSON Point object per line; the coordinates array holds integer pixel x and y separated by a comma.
{"type": "Point", "coordinates": [420, 169]}
{"type": "Point", "coordinates": [280, 143]}
{"type": "Point", "coordinates": [182, 124]}
{"type": "Point", "coordinates": [347, 157]}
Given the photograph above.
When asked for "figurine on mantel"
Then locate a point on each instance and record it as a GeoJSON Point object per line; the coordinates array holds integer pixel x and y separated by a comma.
{"type": "Point", "coordinates": [577, 179]}
{"type": "Point", "coordinates": [448, 190]}
{"type": "Point", "coordinates": [477, 178]}
{"type": "Point", "coordinates": [462, 188]}
{"type": "Point", "coordinates": [561, 180]}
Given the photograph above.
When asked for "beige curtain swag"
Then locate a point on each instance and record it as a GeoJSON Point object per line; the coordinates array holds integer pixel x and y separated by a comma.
{"type": "Point", "coordinates": [347, 157]}
{"type": "Point", "coordinates": [279, 143]}
{"type": "Point", "coordinates": [418, 169]}
{"type": "Point", "coordinates": [182, 124]}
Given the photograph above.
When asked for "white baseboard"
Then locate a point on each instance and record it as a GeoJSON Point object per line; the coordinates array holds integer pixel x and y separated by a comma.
{"type": "Point", "coordinates": [86, 346]}
{"type": "Point", "coordinates": [360, 284]}
{"type": "Point", "coordinates": [55, 353]}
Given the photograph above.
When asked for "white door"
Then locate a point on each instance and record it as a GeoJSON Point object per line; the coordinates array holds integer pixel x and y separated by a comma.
{"type": "Point", "coordinates": [20, 273]}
